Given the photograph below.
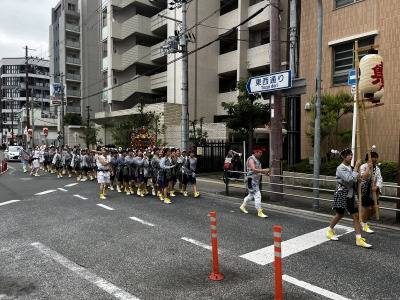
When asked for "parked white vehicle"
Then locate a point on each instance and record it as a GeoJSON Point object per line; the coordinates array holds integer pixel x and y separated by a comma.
{"type": "Point", "coordinates": [12, 153]}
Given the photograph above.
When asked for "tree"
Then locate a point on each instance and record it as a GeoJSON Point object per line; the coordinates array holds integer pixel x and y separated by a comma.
{"type": "Point", "coordinates": [72, 119]}
{"type": "Point", "coordinates": [197, 134]}
{"type": "Point", "coordinates": [246, 114]}
{"type": "Point", "coordinates": [123, 128]}
{"type": "Point", "coordinates": [90, 135]}
{"type": "Point", "coordinates": [333, 108]}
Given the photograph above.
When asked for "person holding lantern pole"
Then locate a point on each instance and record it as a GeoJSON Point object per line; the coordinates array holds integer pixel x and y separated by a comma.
{"type": "Point", "coordinates": [371, 182]}
{"type": "Point", "coordinates": [345, 197]}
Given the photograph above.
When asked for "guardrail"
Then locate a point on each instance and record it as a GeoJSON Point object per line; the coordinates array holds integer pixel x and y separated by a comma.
{"type": "Point", "coordinates": [241, 174]}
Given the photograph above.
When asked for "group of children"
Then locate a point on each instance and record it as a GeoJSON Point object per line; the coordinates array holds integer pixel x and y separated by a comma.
{"type": "Point", "coordinates": [131, 171]}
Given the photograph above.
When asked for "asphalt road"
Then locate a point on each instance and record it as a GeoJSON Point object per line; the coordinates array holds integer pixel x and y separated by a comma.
{"type": "Point", "coordinates": [63, 245]}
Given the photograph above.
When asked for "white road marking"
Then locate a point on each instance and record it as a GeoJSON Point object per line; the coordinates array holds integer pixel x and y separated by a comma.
{"type": "Point", "coordinates": [313, 288]}
{"type": "Point", "coordinates": [197, 243]}
{"type": "Point", "coordinates": [26, 178]}
{"type": "Point", "coordinates": [45, 192]}
{"type": "Point", "coordinates": [84, 273]}
{"type": "Point", "coordinates": [80, 197]}
{"type": "Point", "coordinates": [8, 202]}
{"type": "Point", "coordinates": [141, 221]}
{"type": "Point", "coordinates": [300, 243]}
{"type": "Point", "coordinates": [71, 184]}
{"type": "Point", "coordinates": [105, 206]}
{"type": "Point", "coordinates": [62, 190]}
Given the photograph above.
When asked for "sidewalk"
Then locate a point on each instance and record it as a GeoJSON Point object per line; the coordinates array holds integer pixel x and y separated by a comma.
{"type": "Point", "coordinates": [214, 185]}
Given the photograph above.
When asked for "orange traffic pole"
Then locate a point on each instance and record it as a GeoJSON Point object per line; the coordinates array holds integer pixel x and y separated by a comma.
{"type": "Point", "coordinates": [278, 262]}
{"type": "Point", "coordinates": [215, 275]}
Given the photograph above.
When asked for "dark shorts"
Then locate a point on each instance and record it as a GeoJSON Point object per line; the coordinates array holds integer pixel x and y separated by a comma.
{"type": "Point", "coordinates": [162, 182]}
{"type": "Point", "coordinates": [367, 201]}
{"type": "Point", "coordinates": [188, 179]}
{"type": "Point", "coordinates": [351, 207]}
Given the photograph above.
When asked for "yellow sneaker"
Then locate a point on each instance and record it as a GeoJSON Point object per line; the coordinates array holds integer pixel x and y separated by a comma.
{"type": "Point", "coordinates": [330, 234]}
{"type": "Point", "coordinates": [261, 214]}
{"type": "Point", "coordinates": [243, 208]}
{"type": "Point", "coordinates": [167, 201]}
{"type": "Point", "coordinates": [196, 195]}
{"type": "Point", "coordinates": [102, 197]}
{"type": "Point", "coordinates": [362, 243]}
{"type": "Point", "coordinates": [185, 194]}
{"type": "Point", "coordinates": [172, 193]}
{"type": "Point", "coordinates": [367, 229]}
{"type": "Point", "coordinates": [161, 197]}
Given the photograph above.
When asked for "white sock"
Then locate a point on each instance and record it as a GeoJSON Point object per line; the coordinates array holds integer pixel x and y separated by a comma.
{"type": "Point", "coordinates": [358, 236]}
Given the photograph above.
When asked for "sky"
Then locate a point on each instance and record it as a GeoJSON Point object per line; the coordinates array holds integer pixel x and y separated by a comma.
{"type": "Point", "coordinates": [25, 22]}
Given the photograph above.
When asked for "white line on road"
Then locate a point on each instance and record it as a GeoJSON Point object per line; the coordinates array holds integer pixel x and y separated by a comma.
{"type": "Point", "coordinates": [71, 184]}
{"type": "Point", "coordinates": [85, 273]}
{"type": "Point", "coordinates": [313, 288]}
{"type": "Point", "coordinates": [45, 192]}
{"type": "Point", "coordinates": [141, 221]}
{"type": "Point", "coordinates": [105, 206]}
{"type": "Point", "coordinates": [80, 197]}
{"type": "Point", "coordinates": [9, 202]}
{"type": "Point", "coordinates": [197, 243]}
{"type": "Point", "coordinates": [300, 243]}
{"type": "Point", "coordinates": [62, 190]}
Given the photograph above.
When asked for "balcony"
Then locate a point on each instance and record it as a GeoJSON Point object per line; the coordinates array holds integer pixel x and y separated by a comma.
{"type": "Point", "coordinates": [261, 18]}
{"type": "Point", "coordinates": [259, 56]}
{"type": "Point", "coordinates": [137, 54]}
{"type": "Point", "coordinates": [72, 27]}
{"type": "Point", "coordinates": [73, 77]}
{"type": "Point", "coordinates": [104, 65]}
{"type": "Point", "coordinates": [73, 109]}
{"type": "Point", "coordinates": [136, 24]}
{"type": "Point", "coordinates": [228, 97]}
{"type": "Point", "coordinates": [227, 62]}
{"type": "Point", "coordinates": [73, 93]}
{"type": "Point", "coordinates": [159, 81]}
{"type": "Point", "coordinates": [158, 22]}
{"type": "Point", "coordinates": [140, 85]}
{"type": "Point", "coordinates": [125, 3]}
{"type": "Point", "coordinates": [156, 52]}
{"type": "Point", "coordinates": [73, 60]}
{"type": "Point", "coordinates": [72, 44]}
{"type": "Point", "coordinates": [227, 20]}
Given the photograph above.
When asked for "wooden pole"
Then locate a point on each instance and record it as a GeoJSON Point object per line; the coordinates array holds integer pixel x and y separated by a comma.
{"type": "Point", "coordinates": [358, 141]}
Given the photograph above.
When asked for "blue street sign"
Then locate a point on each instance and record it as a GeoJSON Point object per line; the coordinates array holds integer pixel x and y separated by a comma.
{"type": "Point", "coordinates": [269, 82]}
{"type": "Point", "coordinates": [352, 79]}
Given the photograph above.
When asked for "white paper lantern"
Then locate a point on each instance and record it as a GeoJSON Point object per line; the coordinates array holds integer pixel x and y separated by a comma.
{"type": "Point", "coordinates": [371, 74]}
{"type": "Point", "coordinates": [378, 95]}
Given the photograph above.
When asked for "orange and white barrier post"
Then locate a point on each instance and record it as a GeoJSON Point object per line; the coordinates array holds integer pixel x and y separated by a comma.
{"type": "Point", "coordinates": [278, 262]}
{"type": "Point", "coordinates": [215, 275]}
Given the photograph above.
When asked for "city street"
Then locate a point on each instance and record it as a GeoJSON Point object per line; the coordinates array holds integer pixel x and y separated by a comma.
{"type": "Point", "coordinates": [59, 241]}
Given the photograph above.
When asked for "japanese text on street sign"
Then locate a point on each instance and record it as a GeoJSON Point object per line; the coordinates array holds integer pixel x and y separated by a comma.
{"type": "Point", "coordinates": [352, 78]}
{"type": "Point", "coordinates": [269, 82]}
{"type": "Point", "coordinates": [55, 93]}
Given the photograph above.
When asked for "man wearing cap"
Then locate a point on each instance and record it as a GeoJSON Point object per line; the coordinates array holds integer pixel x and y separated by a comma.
{"type": "Point", "coordinates": [345, 197]}
{"type": "Point", "coordinates": [253, 178]}
{"type": "Point", "coordinates": [369, 172]}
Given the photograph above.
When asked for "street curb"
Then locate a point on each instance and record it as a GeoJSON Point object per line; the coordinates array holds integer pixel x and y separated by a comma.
{"type": "Point", "coordinates": [297, 211]}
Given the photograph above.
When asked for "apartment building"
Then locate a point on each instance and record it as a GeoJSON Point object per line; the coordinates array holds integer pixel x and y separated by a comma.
{"type": "Point", "coordinates": [75, 53]}
{"type": "Point", "coordinates": [369, 22]}
{"type": "Point", "coordinates": [133, 34]}
{"type": "Point", "coordinates": [13, 95]}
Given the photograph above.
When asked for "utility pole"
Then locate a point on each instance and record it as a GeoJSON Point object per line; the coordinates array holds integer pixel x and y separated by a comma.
{"type": "Point", "coordinates": [1, 109]}
{"type": "Point", "coordinates": [12, 120]}
{"type": "Point", "coordinates": [398, 186]}
{"type": "Point", "coordinates": [88, 125]}
{"type": "Point", "coordinates": [276, 101]}
{"type": "Point", "coordinates": [291, 135]}
{"type": "Point", "coordinates": [28, 123]}
{"type": "Point", "coordinates": [62, 110]}
{"type": "Point", "coordinates": [317, 129]}
{"type": "Point", "coordinates": [185, 89]}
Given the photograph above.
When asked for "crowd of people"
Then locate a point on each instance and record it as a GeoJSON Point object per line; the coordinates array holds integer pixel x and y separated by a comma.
{"type": "Point", "coordinates": [156, 171]}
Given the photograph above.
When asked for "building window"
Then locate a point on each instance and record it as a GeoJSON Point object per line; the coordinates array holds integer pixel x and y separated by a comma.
{"type": "Point", "coordinates": [71, 7]}
{"type": "Point", "coordinates": [252, 2]}
{"type": "Point", "coordinates": [227, 6]}
{"type": "Point", "coordinates": [259, 36]}
{"type": "Point", "coordinates": [343, 59]}
{"type": "Point", "coordinates": [340, 3]}
{"type": "Point", "coordinates": [228, 43]}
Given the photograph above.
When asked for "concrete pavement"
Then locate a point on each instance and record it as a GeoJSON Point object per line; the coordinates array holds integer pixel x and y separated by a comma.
{"type": "Point", "coordinates": [147, 250]}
